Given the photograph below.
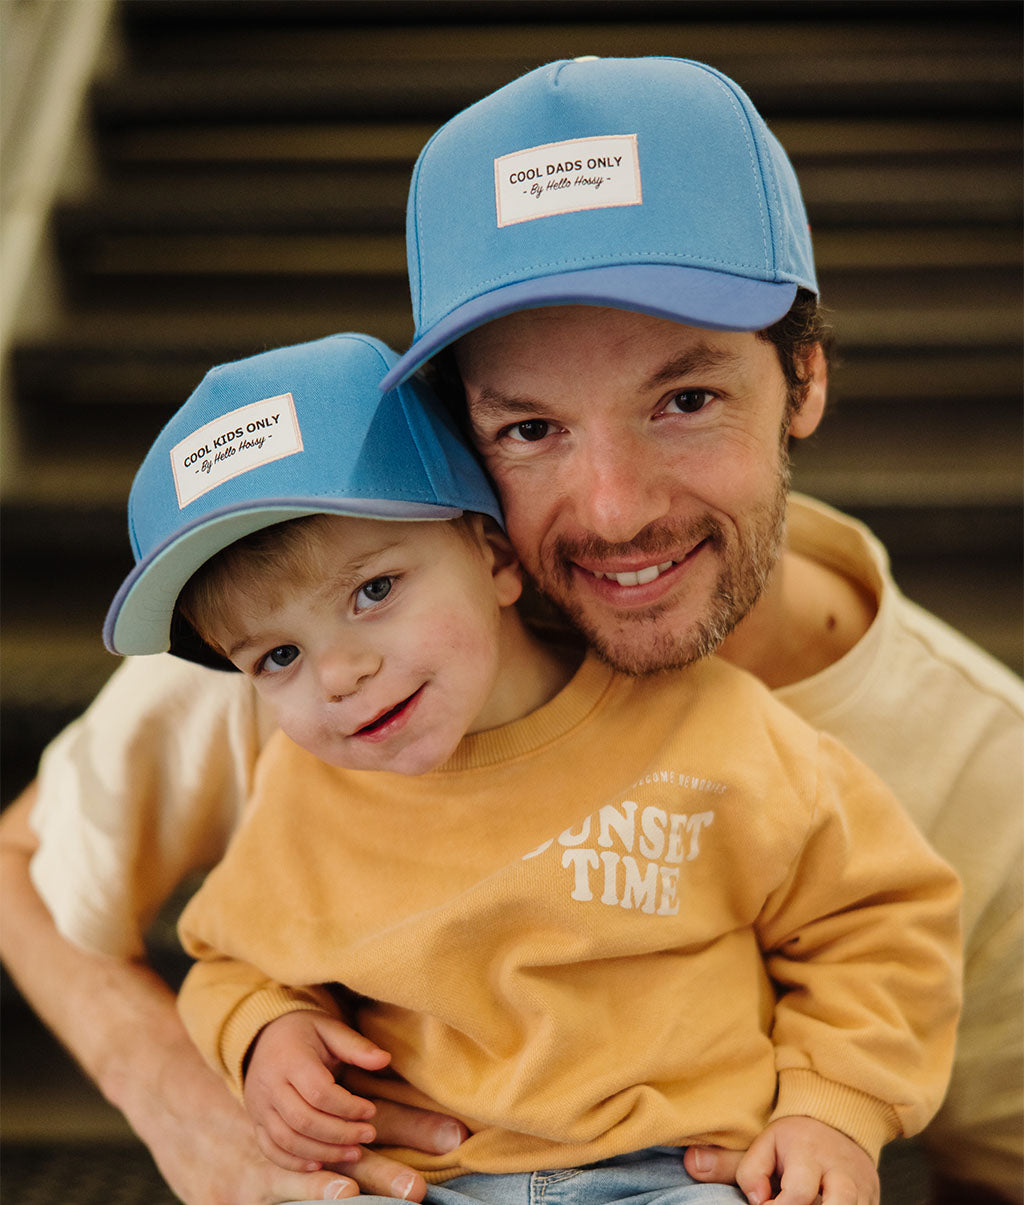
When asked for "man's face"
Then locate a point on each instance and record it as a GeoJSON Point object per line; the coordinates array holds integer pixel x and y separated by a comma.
{"type": "Point", "coordinates": [642, 468]}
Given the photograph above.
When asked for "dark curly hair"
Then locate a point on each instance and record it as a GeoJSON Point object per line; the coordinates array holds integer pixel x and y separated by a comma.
{"type": "Point", "coordinates": [794, 337]}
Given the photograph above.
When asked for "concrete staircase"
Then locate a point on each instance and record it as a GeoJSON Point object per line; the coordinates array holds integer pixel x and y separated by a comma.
{"type": "Point", "coordinates": [251, 167]}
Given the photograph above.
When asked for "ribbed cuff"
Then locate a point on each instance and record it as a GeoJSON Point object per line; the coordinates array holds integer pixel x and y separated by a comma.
{"type": "Point", "coordinates": [870, 1122]}
{"type": "Point", "coordinates": [256, 1012]}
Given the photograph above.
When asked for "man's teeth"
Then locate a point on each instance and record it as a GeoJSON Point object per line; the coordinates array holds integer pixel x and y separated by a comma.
{"type": "Point", "coordinates": [640, 578]}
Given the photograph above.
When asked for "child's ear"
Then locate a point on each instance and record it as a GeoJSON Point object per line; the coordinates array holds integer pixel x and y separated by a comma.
{"type": "Point", "coordinates": [505, 567]}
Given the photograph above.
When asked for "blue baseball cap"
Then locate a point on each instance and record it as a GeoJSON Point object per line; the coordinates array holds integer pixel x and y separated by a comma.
{"type": "Point", "coordinates": [295, 431]}
{"type": "Point", "coordinates": [647, 184]}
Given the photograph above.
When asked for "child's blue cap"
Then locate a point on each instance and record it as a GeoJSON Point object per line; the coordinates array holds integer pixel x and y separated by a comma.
{"type": "Point", "coordinates": [647, 184]}
{"type": "Point", "coordinates": [296, 431]}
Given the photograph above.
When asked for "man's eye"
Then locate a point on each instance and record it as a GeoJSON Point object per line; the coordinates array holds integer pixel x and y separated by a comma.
{"type": "Point", "coordinates": [690, 401]}
{"type": "Point", "coordinates": [373, 592]}
{"type": "Point", "coordinates": [530, 431]}
{"type": "Point", "coordinates": [279, 658]}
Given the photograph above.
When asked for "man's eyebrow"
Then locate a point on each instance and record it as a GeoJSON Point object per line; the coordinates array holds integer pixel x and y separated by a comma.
{"type": "Point", "coordinates": [702, 357]}
{"type": "Point", "coordinates": [492, 403]}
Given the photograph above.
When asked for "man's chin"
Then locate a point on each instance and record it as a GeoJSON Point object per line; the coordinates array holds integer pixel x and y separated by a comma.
{"type": "Point", "coordinates": [656, 659]}
{"type": "Point", "coordinates": [667, 636]}
{"type": "Point", "coordinates": [639, 649]}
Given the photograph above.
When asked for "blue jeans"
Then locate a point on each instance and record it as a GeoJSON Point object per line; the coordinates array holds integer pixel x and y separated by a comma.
{"type": "Point", "coordinates": [655, 1176]}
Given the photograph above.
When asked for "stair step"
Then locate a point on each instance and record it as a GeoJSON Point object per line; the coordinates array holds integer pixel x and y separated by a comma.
{"type": "Point", "coordinates": [908, 194]}
{"type": "Point", "coordinates": [88, 372]}
{"type": "Point", "coordinates": [207, 328]}
{"type": "Point", "coordinates": [232, 31]}
{"type": "Point", "coordinates": [352, 202]}
{"type": "Point", "coordinates": [981, 81]}
{"type": "Point", "coordinates": [286, 144]}
{"type": "Point", "coordinates": [150, 274]}
{"type": "Point", "coordinates": [960, 59]}
{"type": "Point", "coordinates": [274, 317]}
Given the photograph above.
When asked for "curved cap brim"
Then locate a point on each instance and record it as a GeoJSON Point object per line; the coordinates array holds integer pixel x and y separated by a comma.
{"type": "Point", "coordinates": [691, 296]}
{"type": "Point", "coordinates": [139, 619]}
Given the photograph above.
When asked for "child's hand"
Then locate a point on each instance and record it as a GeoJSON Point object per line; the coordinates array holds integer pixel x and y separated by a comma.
{"type": "Point", "coordinates": [809, 1158]}
{"type": "Point", "coordinates": [304, 1119]}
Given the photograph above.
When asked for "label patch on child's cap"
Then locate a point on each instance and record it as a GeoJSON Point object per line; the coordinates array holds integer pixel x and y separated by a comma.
{"type": "Point", "coordinates": [564, 177]}
{"type": "Point", "coordinates": [233, 444]}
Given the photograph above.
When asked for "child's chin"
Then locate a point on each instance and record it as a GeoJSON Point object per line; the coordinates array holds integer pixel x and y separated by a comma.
{"type": "Point", "coordinates": [420, 759]}
{"type": "Point", "coordinates": [408, 762]}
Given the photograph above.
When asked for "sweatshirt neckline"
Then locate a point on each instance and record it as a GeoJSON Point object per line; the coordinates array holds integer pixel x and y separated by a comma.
{"type": "Point", "coordinates": [549, 723]}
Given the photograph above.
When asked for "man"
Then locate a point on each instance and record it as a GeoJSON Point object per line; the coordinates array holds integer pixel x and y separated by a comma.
{"type": "Point", "coordinates": [628, 284]}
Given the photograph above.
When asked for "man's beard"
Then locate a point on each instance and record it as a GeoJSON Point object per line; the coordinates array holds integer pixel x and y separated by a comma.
{"type": "Point", "coordinates": [745, 571]}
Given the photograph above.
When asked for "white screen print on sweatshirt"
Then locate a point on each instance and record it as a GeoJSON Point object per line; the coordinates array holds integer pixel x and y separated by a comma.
{"type": "Point", "coordinates": [630, 857]}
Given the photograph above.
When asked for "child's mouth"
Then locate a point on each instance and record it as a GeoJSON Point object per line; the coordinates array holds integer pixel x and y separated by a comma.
{"type": "Point", "coordinates": [382, 720]}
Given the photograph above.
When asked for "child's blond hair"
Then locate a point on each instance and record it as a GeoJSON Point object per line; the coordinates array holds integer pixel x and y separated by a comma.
{"type": "Point", "coordinates": [257, 571]}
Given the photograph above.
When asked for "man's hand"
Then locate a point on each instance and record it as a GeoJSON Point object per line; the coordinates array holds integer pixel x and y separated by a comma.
{"type": "Point", "coordinates": [205, 1144]}
{"type": "Point", "coordinates": [119, 1019]}
{"type": "Point", "coordinates": [805, 1157]}
{"type": "Point", "coordinates": [712, 1164]}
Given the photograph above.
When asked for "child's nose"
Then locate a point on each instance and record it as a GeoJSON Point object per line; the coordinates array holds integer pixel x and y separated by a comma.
{"type": "Point", "coordinates": [344, 668]}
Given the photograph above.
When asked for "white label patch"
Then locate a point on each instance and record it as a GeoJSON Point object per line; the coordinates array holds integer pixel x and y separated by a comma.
{"type": "Point", "coordinates": [565, 177]}
{"type": "Point", "coordinates": [233, 444]}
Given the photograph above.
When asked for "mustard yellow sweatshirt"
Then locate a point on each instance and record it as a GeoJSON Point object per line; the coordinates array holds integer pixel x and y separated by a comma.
{"type": "Point", "coordinates": [655, 911]}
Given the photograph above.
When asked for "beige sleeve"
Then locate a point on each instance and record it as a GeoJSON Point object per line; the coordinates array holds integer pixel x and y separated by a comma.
{"type": "Point", "coordinates": [978, 1134]}
{"type": "Point", "coordinates": [141, 790]}
{"type": "Point", "coordinates": [943, 724]}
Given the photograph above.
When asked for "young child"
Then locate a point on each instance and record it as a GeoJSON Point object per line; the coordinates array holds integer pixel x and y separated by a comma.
{"type": "Point", "coordinates": [596, 918]}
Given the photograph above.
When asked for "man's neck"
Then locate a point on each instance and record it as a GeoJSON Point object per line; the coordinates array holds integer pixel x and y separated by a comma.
{"type": "Point", "coordinates": [807, 618]}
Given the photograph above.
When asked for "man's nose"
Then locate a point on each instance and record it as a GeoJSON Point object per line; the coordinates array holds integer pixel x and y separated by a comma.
{"type": "Point", "coordinates": [345, 667]}
{"type": "Point", "coordinates": [617, 488]}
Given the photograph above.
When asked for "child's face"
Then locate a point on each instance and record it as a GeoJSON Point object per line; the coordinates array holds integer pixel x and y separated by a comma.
{"type": "Point", "coordinates": [393, 655]}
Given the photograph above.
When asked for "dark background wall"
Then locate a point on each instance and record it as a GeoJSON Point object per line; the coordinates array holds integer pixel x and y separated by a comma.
{"type": "Point", "coordinates": [251, 167]}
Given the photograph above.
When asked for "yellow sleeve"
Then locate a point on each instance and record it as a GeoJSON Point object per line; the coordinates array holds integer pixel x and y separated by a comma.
{"type": "Point", "coordinates": [863, 943]}
{"type": "Point", "coordinates": [224, 1004]}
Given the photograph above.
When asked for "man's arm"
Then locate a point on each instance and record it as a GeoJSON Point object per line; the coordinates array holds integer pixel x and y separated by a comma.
{"type": "Point", "coordinates": [118, 1018]}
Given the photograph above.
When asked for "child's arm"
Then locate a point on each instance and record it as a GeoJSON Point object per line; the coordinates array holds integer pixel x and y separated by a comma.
{"type": "Point", "coordinates": [304, 1119]}
{"type": "Point", "coordinates": [805, 1157]}
{"type": "Point", "coordinates": [861, 940]}
{"type": "Point", "coordinates": [229, 1007]}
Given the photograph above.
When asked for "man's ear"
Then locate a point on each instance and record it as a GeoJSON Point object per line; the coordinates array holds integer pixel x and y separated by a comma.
{"type": "Point", "coordinates": [805, 420]}
{"type": "Point", "coordinates": [505, 567]}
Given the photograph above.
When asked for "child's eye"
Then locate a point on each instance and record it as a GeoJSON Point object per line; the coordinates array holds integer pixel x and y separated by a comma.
{"type": "Point", "coordinates": [277, 659]}
{"type": "Point", "coordinates": [373, 592]}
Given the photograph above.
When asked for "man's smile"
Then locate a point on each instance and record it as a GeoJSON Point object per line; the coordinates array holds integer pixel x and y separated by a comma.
{"type": "Point", "coordinates": [644, 586]}
{"type": "Point", "coordinates": [638, 577]}
{"type": "Point", "coordinates": [622, 579]}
